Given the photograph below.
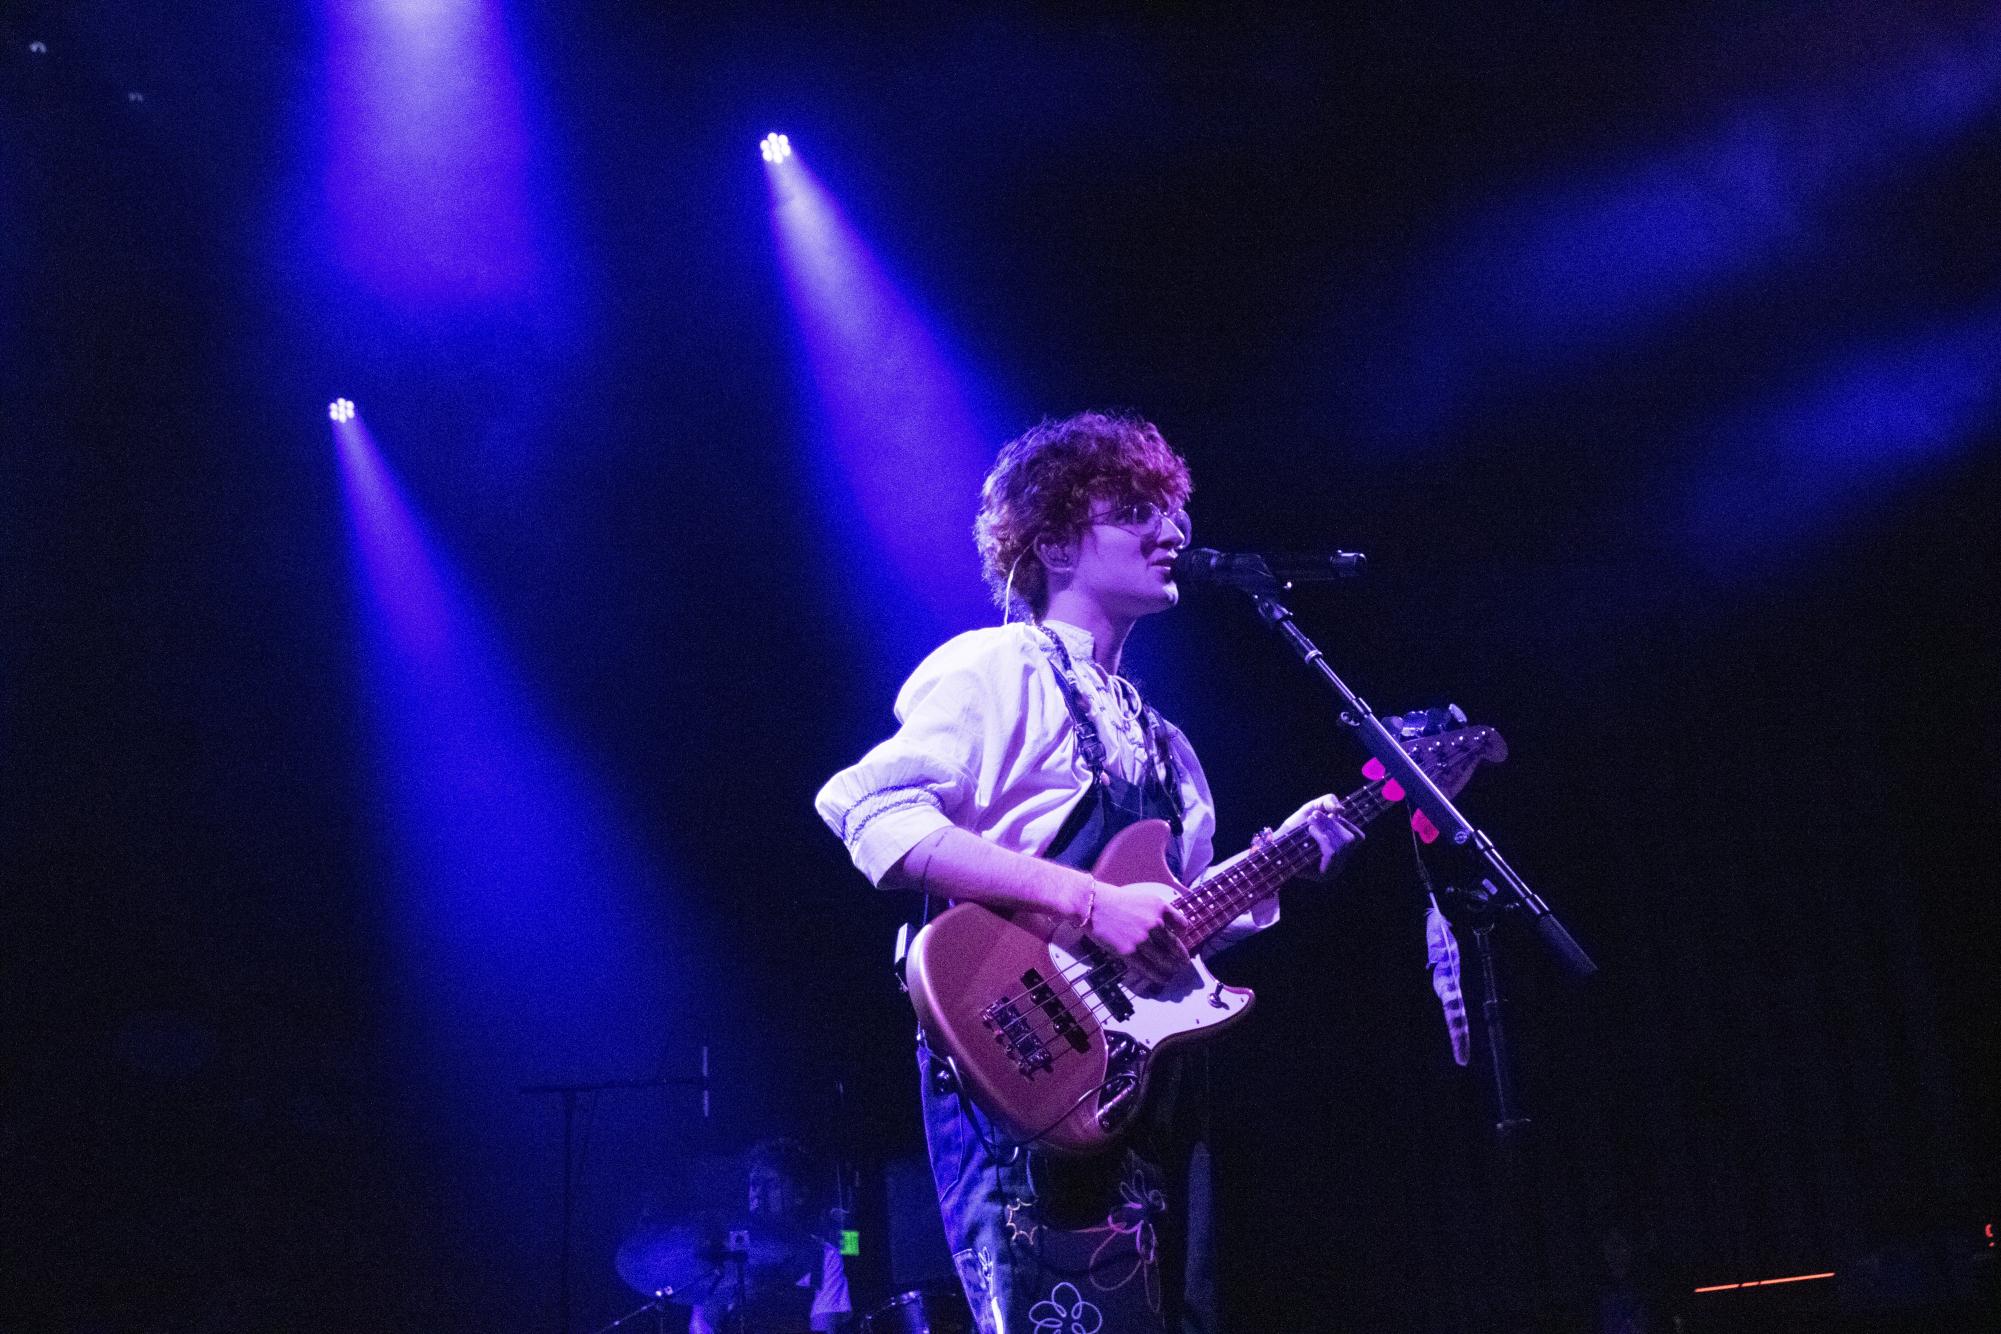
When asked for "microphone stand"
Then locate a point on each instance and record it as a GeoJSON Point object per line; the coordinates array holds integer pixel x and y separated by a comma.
{"type": "Point", "coordinates": [1424, 794]}
{"type": "Point", "coordinates": [568, 1093]}
{"type": "Point", "coordinates": [1516, 1200]}
{"type": "Point", "coordinates": [1511, 897]}
{"type": "Point", "coordinates": [1483, 907]}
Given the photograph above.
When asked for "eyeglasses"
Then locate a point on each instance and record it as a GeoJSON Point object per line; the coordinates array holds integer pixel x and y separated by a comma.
{"type": "Point", "coordinates": [1145, 516]}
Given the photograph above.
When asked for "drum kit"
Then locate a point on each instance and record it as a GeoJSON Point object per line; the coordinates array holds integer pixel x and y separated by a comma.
{"type": "Point", "coordinates": [738, 1274]}
{"type": "Point", "coordinates": [935, 1310]}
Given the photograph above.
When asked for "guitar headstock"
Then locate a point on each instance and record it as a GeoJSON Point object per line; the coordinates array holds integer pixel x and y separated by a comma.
{"type": "Point", "coordinates": [1424, 722]}
{"type": "Point", "coordinates": [1445, 747]}
{"type": "Point", "coordinates": [1449, 758]}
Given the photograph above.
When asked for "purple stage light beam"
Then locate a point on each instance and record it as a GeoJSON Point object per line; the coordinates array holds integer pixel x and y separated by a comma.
{"type": "Point", "coordinates": [1782, 473]}
{"type": "Point", "coordinates": [1555, 275]}
{"type": "Point", "coordinates": [909, 449]}
{"type": "Point", "coordinates": [528, 934]}
{"type": "Point", "coordinates": [427, 167]}
{"type": "Point", "coordinates": [397, 564]}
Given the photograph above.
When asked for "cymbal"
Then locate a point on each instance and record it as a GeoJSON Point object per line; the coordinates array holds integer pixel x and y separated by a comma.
{"type": "Point", "coordinates": [695, 1259]}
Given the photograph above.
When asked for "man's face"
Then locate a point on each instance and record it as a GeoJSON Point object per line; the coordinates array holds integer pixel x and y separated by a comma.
{"type": "Point", "coordinates": [1125, 558]}
{"type": "Point", "coordinates": [773, 1194]}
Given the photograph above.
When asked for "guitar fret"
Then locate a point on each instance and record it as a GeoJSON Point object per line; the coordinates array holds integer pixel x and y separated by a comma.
{"type": "Point", "coordinates": [1219, 900]}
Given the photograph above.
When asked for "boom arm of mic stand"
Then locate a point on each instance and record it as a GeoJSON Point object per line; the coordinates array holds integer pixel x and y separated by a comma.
{"type": "Point", "coordinates": [1430, 799]}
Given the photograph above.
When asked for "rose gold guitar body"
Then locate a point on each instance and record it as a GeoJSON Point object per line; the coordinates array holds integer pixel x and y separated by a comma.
{"type": "Point", "coordinates": [1034, 1018]}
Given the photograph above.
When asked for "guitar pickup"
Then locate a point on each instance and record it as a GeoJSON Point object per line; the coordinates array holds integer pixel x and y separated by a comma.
{"type": "Point", "coordinates": [1103, 980]}
{"type": "Point", "coordinates": [1059, 1014]}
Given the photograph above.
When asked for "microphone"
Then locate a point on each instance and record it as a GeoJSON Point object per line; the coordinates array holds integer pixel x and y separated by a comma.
{"type": "Point", "coordinates": [1257, 570]}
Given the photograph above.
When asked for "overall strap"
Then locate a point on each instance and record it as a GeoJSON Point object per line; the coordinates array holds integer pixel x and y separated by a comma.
{"type": "Point", "coordinates": [1161, 766]}
{"type": "Point", "coordinates": [1089, 743]}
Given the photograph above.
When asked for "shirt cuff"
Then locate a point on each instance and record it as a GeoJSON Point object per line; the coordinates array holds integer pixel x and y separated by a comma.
{"type": "Point", "coordinates": [881, 832]}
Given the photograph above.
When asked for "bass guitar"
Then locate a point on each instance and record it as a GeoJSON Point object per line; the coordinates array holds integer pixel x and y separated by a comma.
{"type": "Point", "coordinates": [1035, 1016]}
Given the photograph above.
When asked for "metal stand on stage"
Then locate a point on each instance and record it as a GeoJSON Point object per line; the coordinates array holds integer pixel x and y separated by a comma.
{"type": "Point", "coordinates": [1424, 793]}
{"type": "Point", "coordinates": [568, 1093]}
{"type": "Point", "coordinates": [658, 1305]}
{"type": "Point", "coordinates": [1503, 895]}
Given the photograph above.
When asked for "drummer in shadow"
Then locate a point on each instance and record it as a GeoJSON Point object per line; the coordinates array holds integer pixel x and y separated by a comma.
{"type": "Point", "coordinates": [783, 1275]}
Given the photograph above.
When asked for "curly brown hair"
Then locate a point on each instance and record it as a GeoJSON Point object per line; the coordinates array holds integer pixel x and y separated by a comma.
{"type": "Point", "coordinates": [1046, 481]}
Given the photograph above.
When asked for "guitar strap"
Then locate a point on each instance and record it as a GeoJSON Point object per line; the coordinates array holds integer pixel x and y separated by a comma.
{"type": "Point", "coordinates": [1089, 743]}
{"type": "Point", "coordinates": [1159, 767]}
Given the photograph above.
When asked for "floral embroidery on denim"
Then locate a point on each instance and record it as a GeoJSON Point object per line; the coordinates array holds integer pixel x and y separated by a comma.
{"type": "Point", "coordinates": [1021, 1222]}
{"type": "Point", "coordinates": [1064, 1311]}
{"type": "Point", "coordinates": [1140, 1204]}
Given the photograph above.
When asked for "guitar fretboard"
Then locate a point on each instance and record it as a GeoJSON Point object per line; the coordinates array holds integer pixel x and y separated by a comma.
{"type": "Point", "coordinates": [1220, 899]}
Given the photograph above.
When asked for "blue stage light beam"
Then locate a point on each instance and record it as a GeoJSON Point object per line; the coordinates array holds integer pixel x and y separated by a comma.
{"type": "Point", "coordinates": [908, 449]}
{"type": "Point", "coordinates": [518, 880]}
{"type": "Point", "coordinates": [527, 937]}
{"type": "Point", "coordinates": [1551, 280]}
{"type": "Point", "coordinates": [427, 169]}
{"type": "Point", "coordinates": [1782, 474]}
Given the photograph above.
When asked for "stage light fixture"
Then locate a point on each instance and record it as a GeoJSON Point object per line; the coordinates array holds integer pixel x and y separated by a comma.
{"type": "Point", "coordinates": [775, 148]}
{"type": "Point", "coordinates": [340, 410]}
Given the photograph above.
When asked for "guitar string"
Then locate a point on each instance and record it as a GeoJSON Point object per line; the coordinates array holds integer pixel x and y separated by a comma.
{"type": "Point", "coordinates": [1221, 898]}
{"type": "Point", "coordinates": [1207, 907]}
{"type": "Point", "coordinates": [1217, 901]}
{"type": "Point", "coordinates": [1216, 911]}
{"type": "Point", "coordinates": [1029, 1009]}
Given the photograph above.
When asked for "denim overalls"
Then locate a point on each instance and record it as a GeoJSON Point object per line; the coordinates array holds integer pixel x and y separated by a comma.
{"type": "Point", "coordinates": [1117, 1243]}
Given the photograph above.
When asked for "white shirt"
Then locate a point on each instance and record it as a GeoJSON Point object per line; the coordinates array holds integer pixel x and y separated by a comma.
{"type": "Point", "coordinates": [986, 743]}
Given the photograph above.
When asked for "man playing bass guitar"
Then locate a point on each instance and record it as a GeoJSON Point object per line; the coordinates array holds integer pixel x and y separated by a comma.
{"type": "Point", "coordinates": [1020, 753]}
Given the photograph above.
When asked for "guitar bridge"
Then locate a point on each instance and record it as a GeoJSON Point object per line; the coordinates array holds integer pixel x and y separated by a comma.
{"type": "Point", "coordinates": [1021, 1043]}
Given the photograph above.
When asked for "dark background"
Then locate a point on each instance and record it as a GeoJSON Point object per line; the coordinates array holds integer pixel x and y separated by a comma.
{"type": "Point", "coordinates": [1753, 763]}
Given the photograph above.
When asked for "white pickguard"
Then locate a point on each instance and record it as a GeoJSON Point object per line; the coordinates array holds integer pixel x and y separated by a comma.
{"type": "Point", "coordinates": [1194, 1000]}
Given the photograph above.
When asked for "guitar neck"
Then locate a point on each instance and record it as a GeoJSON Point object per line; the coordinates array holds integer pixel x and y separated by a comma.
{"type": "Point", "coordinates": [1222, 898]}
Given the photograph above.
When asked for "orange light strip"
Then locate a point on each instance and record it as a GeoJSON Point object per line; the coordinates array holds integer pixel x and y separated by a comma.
{"type": "Point", "coordinates": [1764, 1282]}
